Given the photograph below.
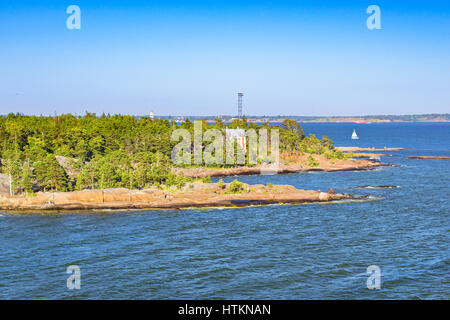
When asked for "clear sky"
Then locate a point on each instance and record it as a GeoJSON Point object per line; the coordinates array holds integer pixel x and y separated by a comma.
{"type": "Point", "coordinates": [192, 57]}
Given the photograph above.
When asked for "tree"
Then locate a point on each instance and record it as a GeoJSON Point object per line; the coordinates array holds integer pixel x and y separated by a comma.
{"type": "Point", "coordinates": [218, 123]}
{"type": "Point", "coordinates": [97, 145]}
{"type": "Point", "coordinates": [187, 124]}
{"type": "Point", "coordinates": [238, 124]}
{"type": "Point", "coordinates": [27, 177]}
{"type": "Point", "coordinates": [291, 135]}
{"type": "Point", "coordinates": [293, 127]}
{"type": "Point", "coordinates": [11, 166]}
{"type": "Point", "coordinates": [50, 175]}
{"type": "Point", "coordinates": [35, 149]}
{"type": "Point", "coordinates": [87, 177]}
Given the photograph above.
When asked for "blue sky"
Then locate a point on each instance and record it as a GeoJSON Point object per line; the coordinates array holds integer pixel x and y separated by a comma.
{"type": "Point", "coordinates": [192, 57]}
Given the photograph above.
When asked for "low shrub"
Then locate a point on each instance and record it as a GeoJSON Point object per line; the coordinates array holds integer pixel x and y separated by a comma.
{"type": "Point", "coordinates": [221, 184]}
{"type": "Point", "coordinates": [236, 187]}
{"type": "Point", "coordinates": [313, 162]}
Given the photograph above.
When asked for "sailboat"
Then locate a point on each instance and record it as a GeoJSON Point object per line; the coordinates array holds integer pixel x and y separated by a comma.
{"type": "Point", "coordinates": [354, 135]}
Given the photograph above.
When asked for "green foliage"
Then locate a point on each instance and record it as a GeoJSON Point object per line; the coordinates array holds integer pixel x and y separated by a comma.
{"type": "Point", "coordinates": [187, 124]}
{"type": "Point", "coordinates": [312, 162]}
{"type": "Point", "coordinates": [221, 184]}
{"type": "Point", "coordinates": [239, 124]}
{"type": "Point", "coordinates": [218, 123]}
{"type": "Point", "coordinates": [312, 145]}
{"type": "Point", "coordinates": [115, 151]}
{"type": "Point", "coordinates": [236, 187]}
{"type": "Point", "coordinates": [345, 156]}
{"type": "Point", "coordinates": [112, 151]}
{"type": "Point", "coordinates": [50, 175]}
{"type": "Point", "coordinates": [11, 166]}
{"type": "Point", "coordinates": [35, 149]}
{"type": "Point", "coordinates": [27, 177]}
{"type": "Point", "coordinates": [327, 143]}
{"type": "Point", "coordinates": [206, 179]}
{"type": "Point", "coordinates": [120, 169]}
{"type": "Point", "coordinates": [291, 136]}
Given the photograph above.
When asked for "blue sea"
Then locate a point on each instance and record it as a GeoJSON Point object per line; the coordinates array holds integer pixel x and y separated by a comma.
{"type": "Point", "coordinates": [311, 251]}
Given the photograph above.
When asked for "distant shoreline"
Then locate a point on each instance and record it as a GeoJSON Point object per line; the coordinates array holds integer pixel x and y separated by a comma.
{"type": "Point", "coordinates": [413, 118]}
{"type": "Point", "coordinates": [364, 119]}
{"type": "Point", "coordinates": [375, 121]}
{"type": "Point", "coordinates": [355, 121]}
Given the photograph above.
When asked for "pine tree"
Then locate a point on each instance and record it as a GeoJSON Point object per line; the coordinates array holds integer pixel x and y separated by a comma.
{"type": "Point", "coordinates": [27, 177]}
{"type": "Point", "coordinates": [50, 175]}
{"type": "Point", "coordinates": [11, 167]}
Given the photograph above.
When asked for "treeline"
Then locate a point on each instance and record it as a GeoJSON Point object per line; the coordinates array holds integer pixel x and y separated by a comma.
{"type": "Point", "coordinates": [65, 153]}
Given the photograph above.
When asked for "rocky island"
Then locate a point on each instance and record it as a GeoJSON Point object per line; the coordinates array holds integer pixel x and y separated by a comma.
{"type": "Point", "coordinates": [124, 162]}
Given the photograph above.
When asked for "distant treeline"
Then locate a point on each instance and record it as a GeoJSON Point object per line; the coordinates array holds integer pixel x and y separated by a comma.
{"type": "Point", "coordinates": [408, 118]}
{"type": "Point", "coordinates": [70, 152]}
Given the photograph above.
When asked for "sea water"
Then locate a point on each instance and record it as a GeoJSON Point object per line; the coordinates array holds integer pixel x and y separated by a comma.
{"type": "Point", "coordinates": [311, 251]}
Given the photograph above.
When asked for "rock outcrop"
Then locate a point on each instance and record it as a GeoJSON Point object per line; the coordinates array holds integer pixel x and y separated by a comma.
{"type": "Point", "coordinates": [429, 157]}
{"type": "Point", "coordinates": [4, 184]}
{"type": "Point", "coordinates": [192, 195]}
{"type": "Point", "coordinates": [353, 149]}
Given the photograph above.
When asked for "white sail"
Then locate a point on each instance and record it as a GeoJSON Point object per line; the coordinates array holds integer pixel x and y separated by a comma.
{"type": "Point", "coordinates": [354, 135]}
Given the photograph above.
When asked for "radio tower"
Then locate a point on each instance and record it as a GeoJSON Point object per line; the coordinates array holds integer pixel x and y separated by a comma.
{"type": "Point", "coordinates": [240, 95]}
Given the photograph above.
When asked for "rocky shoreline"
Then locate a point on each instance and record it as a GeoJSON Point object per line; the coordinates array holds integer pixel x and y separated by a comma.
{"type": "Point", "coordinates": [193, 195]}
{"type": "Point", "coordinates": [353, 149]}
{"type": "Point", "coordinates": [429, 157]}
{"type": "Point", "coordinates": [288, 166]}
{"type": "Point", "coordinates": [197, 195]}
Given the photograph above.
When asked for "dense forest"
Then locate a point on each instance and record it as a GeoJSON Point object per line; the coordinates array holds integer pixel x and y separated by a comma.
{"type": "Point", "coordinates": [65, 153]}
